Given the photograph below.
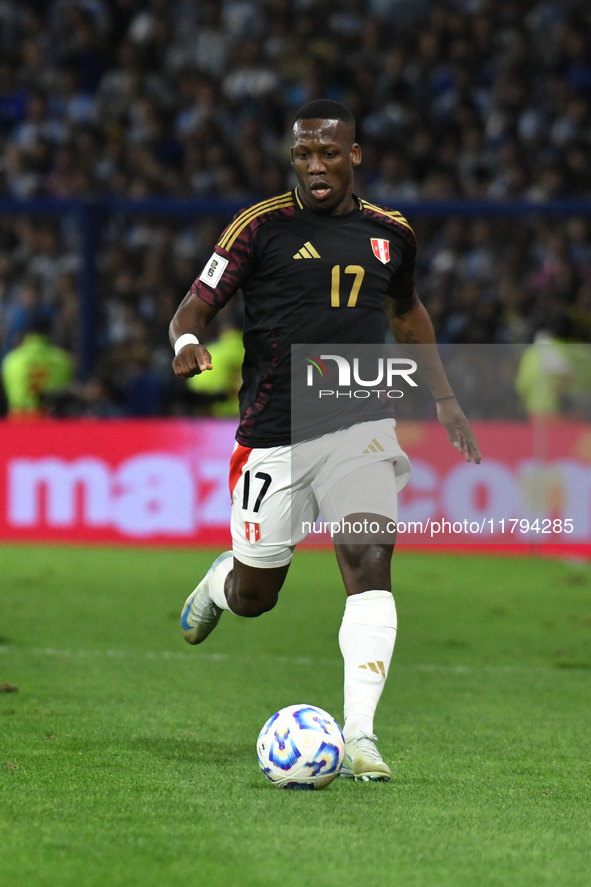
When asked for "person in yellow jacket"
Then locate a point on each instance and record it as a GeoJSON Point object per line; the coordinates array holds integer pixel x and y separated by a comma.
{"type": "Point", "coordinates": [554, 376]}
{"type": "Point", "coordinates": [544, 375]}
{"type": "Point", "coordinates": [33, 369]}
{"type": "Point", "coordinates": [228, 353]}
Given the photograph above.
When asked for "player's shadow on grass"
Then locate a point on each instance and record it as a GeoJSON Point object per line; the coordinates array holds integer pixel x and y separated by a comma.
{"type": "Point", "coordinates": [192, 750]}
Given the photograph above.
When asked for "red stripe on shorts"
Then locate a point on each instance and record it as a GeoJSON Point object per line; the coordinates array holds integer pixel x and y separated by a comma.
{"type": "Point", "coordinates": [237, 463]}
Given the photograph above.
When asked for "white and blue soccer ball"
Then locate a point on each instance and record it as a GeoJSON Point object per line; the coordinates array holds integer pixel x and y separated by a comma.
{"type": "Point", "coordinates": [301, 746]}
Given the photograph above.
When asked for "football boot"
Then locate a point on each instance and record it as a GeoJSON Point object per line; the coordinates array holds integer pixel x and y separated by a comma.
{"type": "Point", "coordinates": [363, 761]}
{"type": "Point", "coordinates": [200, 615]}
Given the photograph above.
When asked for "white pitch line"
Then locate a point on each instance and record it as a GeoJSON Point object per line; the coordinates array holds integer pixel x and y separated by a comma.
{"type": "Point", "coordinates": [279, 660]}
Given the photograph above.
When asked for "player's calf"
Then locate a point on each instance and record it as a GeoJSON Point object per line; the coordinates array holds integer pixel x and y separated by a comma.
{"type": "Point", "coordinates": [252, 591]}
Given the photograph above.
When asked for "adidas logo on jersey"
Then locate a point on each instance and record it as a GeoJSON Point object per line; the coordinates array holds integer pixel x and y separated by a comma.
{"type": "Point", "coordinates": [307, 252]}
{"type": "Point", "coordinates": [376, 667]}
{"type": "Point", "coordinates": [374, 447]}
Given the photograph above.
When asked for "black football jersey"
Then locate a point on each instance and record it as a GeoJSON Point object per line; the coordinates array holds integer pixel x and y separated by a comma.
{"type": "Point", "coordinates": [306, 278]}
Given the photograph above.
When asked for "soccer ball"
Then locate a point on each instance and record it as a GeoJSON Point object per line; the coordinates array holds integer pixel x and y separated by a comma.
{"type": "Point", "coordinates": [301, 747]}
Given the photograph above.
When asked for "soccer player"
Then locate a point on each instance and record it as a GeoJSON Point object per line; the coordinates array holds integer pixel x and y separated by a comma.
{"type": "Point", "coordinates": [283, 253]}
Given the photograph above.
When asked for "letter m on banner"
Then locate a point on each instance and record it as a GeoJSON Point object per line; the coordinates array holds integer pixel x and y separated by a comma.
{"type": "Point", "coordinates": [381, 249]}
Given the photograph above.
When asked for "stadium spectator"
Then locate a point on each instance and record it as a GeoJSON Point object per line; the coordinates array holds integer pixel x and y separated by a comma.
{"type": "Point", "coordinates": [33, 370]}
{"type": "Point", "coordinates": [22, 312]}
{"type": "Point", "coordinates": [223, 385]}
{"type": "Point", "coordinates": [554, 375]}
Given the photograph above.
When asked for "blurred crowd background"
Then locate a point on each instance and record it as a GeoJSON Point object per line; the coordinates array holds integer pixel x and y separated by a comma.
{"type": "Point", "coordinates": [177, 98]}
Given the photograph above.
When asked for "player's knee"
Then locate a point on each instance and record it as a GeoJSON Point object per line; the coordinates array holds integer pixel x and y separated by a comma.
{"type": "Point", "coordinates": [357, 533]}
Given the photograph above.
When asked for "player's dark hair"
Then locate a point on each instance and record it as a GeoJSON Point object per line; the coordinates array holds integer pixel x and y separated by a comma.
{"type": "Point", "coordinates": [326, 109]}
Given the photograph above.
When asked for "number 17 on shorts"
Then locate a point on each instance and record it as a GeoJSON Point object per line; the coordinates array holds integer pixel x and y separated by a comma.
{"type": "Point", "coordinates": [260, 481]}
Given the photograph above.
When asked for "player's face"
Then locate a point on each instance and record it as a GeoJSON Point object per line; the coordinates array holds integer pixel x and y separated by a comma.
{"type": "Point", "coordinates": [324, 157]}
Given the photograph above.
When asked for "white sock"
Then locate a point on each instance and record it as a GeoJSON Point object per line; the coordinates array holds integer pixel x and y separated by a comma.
{"type": "Point", "coordinates": [366, 638]}
{"type": "Point", "coordinates": [217, 582]}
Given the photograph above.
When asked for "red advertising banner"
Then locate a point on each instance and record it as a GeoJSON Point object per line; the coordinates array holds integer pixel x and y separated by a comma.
{"type": "Point", "coordinates": [166, 482]}
{"type": "Point", "coordinates": [533, 486]}
{"type": "Point", "coordinates": [116, 481]}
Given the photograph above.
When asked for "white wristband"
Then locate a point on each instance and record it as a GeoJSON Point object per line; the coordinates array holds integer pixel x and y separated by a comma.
{"type": "Point", "coordinates": [185, 339]}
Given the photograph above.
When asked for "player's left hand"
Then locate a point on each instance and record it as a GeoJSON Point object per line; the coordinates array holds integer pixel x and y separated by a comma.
{"type": "Point", "coordinates": [458, 430]}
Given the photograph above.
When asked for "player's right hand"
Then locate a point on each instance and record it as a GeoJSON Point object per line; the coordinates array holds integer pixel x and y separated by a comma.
{"type": "Point", "coordinates": [191, 360]}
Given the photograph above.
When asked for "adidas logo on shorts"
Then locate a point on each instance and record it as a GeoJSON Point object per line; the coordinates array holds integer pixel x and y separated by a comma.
{"type": "Point", "coordinates": [374, 447]}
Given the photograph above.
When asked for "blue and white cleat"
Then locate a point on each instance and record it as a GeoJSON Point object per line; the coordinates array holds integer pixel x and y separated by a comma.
{"type": "Point", "coordinates": [200, 615]}
{"type": "Point", "coordinates": [363, 761]}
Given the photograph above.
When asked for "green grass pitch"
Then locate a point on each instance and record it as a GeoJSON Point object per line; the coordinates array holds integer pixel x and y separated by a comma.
{"type": "Point", "coordinates": [128, 758]}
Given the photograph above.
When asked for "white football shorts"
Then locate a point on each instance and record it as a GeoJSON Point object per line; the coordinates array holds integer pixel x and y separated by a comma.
{"type": "Point", "coordinates": [278, 492]}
